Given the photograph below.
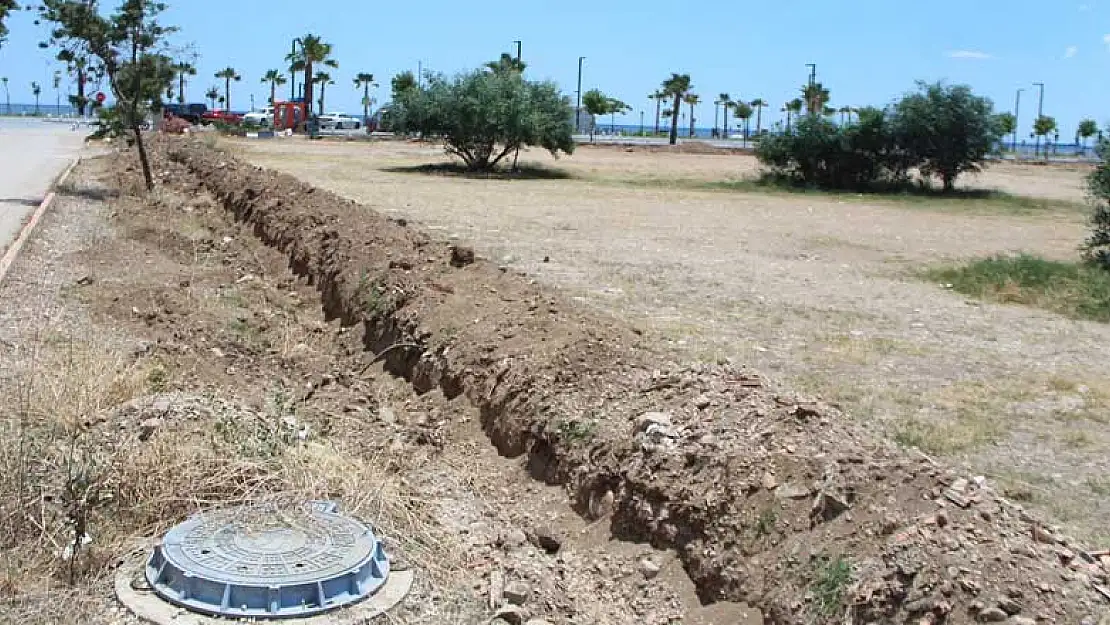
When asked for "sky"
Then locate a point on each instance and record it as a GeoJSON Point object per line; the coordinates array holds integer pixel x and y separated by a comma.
{"type": "Point", "coordinates": [867, 52]}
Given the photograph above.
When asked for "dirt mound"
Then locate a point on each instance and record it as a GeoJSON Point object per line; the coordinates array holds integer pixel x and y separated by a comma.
{"type": "Point", "coordinates": [767, 498]}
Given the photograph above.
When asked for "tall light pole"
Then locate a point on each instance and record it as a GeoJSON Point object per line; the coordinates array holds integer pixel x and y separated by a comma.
{"type": "Point", "coordinates": [641, 123]}
{"type": "Point", "coordinates": [518, 44]}
{"type": "Point", "coordinates": [578, 106]}
{"type": "Point", "coordinates": [292, 73]}
{"type": "Point", "coordinates": [1040, 113]}
{"type": "Point", "coordinates": [1017, 110]}
{"type": "Point", "coordinates": [812, 73]}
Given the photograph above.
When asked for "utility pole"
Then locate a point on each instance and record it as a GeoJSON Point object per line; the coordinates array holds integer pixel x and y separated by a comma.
{"type": "Point", "coordinates": [1017, 109]}
{"type": "Point", "coordinates": [1040, 113]}
{"type": "Point", "coordinates": [812, 73]}
{"type": "Point", "coordinates": [518, 43]}
{"type": "Point", "coordinates": [578, 106]}
{"type": "Point", "coordinates": [293, 74]}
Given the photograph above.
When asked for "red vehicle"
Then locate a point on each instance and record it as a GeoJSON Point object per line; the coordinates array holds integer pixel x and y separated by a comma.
{"type": "Point", "coordinates": [227, 117]}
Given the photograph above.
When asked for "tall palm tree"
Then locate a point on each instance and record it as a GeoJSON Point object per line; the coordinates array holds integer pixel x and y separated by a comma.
{"type": "Point", "coordinates": [211, 95]}
{"type": "Point", "coordinates": [726, 103]}
{"type": "Point", "coordinates": [792, 107]}
{"type": "Point", "coordinates": [758, 105]}
{"type": "Point", "coordinates": [743, 111]}
{"type": "Point", "coordinates": [676, 87]}
{"type": "Point", "coordinates": [692, 100]}
{"type": "Point", "coordinates": [313, 51]}
{"type": "Point", "coordinates": [816, 96]}
{"type": "Point", "coordinates": [275, 78]}
{"type": "Point", "coordinates": [228, 74]}
{"type": "Point", "coordinates": [323, 79]}
{"type": "Point", "coordinates": [7, 95]}
{"type": "Point", "coordinates": [364, 81]}
{"type": "Point", "coordinates": [845, 111]}
{"type": "Point", "coordinates": [658, 96]}
{"type": "Point", "coordinates": [507, 63]}
{"type": "Point", "coordinates": [37, 90]}
{"type": "Point", "coordinates": [182, 69]}
{"type": "Point", "coordinates": [721, 99]}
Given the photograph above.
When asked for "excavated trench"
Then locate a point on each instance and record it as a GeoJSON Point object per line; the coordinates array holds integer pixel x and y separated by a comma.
{"type": "Point", "coordinates": [763, 496]}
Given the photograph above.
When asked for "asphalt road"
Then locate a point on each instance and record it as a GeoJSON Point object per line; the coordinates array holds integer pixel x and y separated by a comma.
{"type": "Point", "coordinates": [32, 154]}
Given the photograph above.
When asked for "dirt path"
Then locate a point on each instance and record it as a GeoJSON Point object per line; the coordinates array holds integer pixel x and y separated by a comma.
{"type": "Point", "coordinates": [172, 348]}
{"type": "Point", "coordinates": [817, 290]}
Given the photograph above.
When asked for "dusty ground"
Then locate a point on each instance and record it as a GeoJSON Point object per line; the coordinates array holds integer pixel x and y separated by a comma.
{"type": "Point", "coordinates": [818, 289]}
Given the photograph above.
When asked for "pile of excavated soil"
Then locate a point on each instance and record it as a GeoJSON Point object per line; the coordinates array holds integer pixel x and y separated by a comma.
{"type": "Point", "coordinates": [766, 498]}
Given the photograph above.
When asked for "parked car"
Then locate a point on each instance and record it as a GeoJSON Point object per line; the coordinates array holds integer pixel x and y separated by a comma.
{"type": "Point", "coordinates": [216, 115]}
{"type": "Point", "coordinates": [259, 118]}
{"type": "Point", "coordinates": [339, 121]}
{"type": "Point", "coordinates": [191, 113]}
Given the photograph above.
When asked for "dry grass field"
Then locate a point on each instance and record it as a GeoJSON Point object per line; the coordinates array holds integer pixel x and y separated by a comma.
{"type": "Point", "coordinates": [821, 291]}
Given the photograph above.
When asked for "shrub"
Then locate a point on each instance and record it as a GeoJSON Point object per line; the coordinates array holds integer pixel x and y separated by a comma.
{"type": "Point", "coordinates": [1097, 247]}
{"type": "Point", "coordinates": [483, 116]}
{"type": "Point", "coordinates": [947, 129]}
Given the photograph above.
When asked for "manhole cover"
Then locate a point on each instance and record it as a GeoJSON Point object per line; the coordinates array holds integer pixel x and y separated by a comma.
{"type": "Point", "coordinates": [268, 561]}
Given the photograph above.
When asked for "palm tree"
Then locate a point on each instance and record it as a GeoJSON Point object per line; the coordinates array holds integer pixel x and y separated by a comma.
{"type": "Point", "coordinates": [1087, 129]}
{"type": "Point", "coordinates": [212, 93]}
{"type": "Point", "coordinates": [323, 79]}
{"type": "Point", "coordinates": [792, 107]}
{"type": "Point", "coordinates": [228, 74]}
{"type": "Point", "coordinates": [676, 87]}
{"type": "Point", "coordinates": [721, 99]}
{"type": "Point", "coordinates": [313, 51]}
{"type": "Point", "coordinates": [726, 101]}
{"type": "Point", "coordinates": [275, 78]}
{"type": "Point", "coordinates": [507, 63]}
{"type": "Point", "coordinates": [37, 90]}
{"type": "Point", "coordinates": [758, 104]}
{"type": "Point", "coordinates": [182, 69]}
{"type": "Point", "coordinates": [816, 96]}
{"type": "Point", "coordinates": [7, 95]}
{"type": "Point", "coordinates": [365, 81]}
{"type": "Point", "coordinates": [845, 110]}
{"type": "Point", "coordinates": [692, 100]}
{"type": "Point", "coordinates": [658, 96]}
{"type": "Point", "coordinates": [743, 111]}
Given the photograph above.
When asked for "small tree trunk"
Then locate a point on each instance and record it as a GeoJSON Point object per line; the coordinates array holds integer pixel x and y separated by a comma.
{"type": "Point", "coordinates": [307, 92]}
{"type": "Point", "coordinates": [227, 93]}
{"type": "Point", "coordinates": [147, 177]}
{"type": "Point", "coordinates": [674, 117]}
{"type": "Point", "coordinates": [181, 88]}
{"type": "Point", "coordinates": [949, 180]}
{"type": "Point", "coordinates": [691, 120]}
{"type": "Point", "coordinates": [81, 91]}
{"type": "Point", "coordinates": [758, 119]}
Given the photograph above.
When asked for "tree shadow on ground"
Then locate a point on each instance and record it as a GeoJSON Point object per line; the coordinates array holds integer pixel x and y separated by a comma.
{"type": "Point", "coordinates": [89, 193]}
{"type": "Point", "coordinates": [458, 170]}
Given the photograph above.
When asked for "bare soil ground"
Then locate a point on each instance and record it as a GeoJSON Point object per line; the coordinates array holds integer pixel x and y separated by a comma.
{"type": "Point", "coordinates": [820, 290]}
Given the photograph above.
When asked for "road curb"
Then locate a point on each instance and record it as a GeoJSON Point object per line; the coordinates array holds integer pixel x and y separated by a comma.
{"type": "Point", "coordinates": [27, 229]}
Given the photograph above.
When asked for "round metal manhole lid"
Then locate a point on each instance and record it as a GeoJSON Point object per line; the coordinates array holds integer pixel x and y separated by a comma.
{"type": "Point", "coordinates": [268, 561]}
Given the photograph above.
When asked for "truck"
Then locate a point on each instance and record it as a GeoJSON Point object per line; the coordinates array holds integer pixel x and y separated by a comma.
{"type": "Point", "coordinates": [191, 113]}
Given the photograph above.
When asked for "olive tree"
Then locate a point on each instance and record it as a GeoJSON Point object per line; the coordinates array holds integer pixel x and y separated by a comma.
{"type": "Point", "coordinates": [6, 6]}
{"type": "Point", "coordinates": [125, 47]}
{"type": "Point", "coordinates": [1097, 247]}
{"type": "Point", "coordinates": [483, 116]}
{"type": "Point", "coordinates": [948, 129]}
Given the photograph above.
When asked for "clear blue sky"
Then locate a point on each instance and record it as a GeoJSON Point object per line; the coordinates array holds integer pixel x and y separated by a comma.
{"type": "Point", "coordinates": [867, 51]}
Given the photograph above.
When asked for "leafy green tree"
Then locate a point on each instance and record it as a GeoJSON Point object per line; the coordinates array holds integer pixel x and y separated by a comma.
{"type": "Point", "coordinates": [183, 69]}
{"type": "Point", "coordinates": [275, 78]}
{"type": "Point", "coordinates": [78, 66]}
{"type": "Point", "coordinates": [401, 83]}
{"type": "Point", "coordinates": [483, 116]}
{"type": "Point", "coordinates": [758, 105]}
{"type": "Point", "coordinates": [36, 90]}
{"type": "Point", "coordinates": [691, 100]}
{"type": "Point", "coordinates": [596, 104]}
{"type": "Point", "coordinates": [228, 74]}
{"type": "Point", "coordinates": [1007, 123]}
{"type": "Point", "coordinates": [614, 107]}
{"type": "Point", "coordinates": [6, 6]}
{"type": "Point", "coordinates": [948, 129]}
{"type": "Point", "coordinates": [676, 87]}
{"type": "Point", "coordinates": [212, 94]}
{"type": "Point", "coordinates": [1042, 127]}
{"type": "Point", "coordinates": [792, 108]}
{"type": "Point", "coordinates": [815, 96]}
{"type": "Point", "coordinates": [312, 52]}
{"type": "Point", "coordinates": [1097, 247]}
{"type": "Point", "coordinates": [125, 46]}
{"type": "Point", "coordinates": [364, 81]}
{"type": "Point", "coordinates": [743, 111]}
{"type": "Point", "coordinates": [1087, 129]}
{"type": "Point", "coordinates": [323, 79]}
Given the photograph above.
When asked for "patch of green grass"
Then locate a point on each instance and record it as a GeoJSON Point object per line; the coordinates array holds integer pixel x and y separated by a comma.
{"type": "Point", "coordinates": [831, 578]}
{"type": "Point", "coordinates": [577, 430]}
{"type": "Point", "coordinates": [765, 524]}
{"type": "Point", "coordinates": [374, 297]}
{"type": "Point", "coordinates": [1075, 290]}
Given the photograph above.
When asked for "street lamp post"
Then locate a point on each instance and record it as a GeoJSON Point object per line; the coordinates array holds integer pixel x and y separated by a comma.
{"type": "Point", "coordinates": [812, 73]}
{"type": "Point", "coordinates": [1040, 113]}
{"type": "Point", "coordinates": [578, 106]}
{"type": "Point", "coordinates": [518, 44]}
{"type": "Point", "coordinates": [1017, 110]}
{"type": "Point", "coordinates": [641, 123]}
{"type": "Point", "coordinates": [292, 73]}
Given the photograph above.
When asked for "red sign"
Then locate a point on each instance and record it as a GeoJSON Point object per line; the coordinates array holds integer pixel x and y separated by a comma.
{"type": "Point", "coordinates": [100, 97]}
